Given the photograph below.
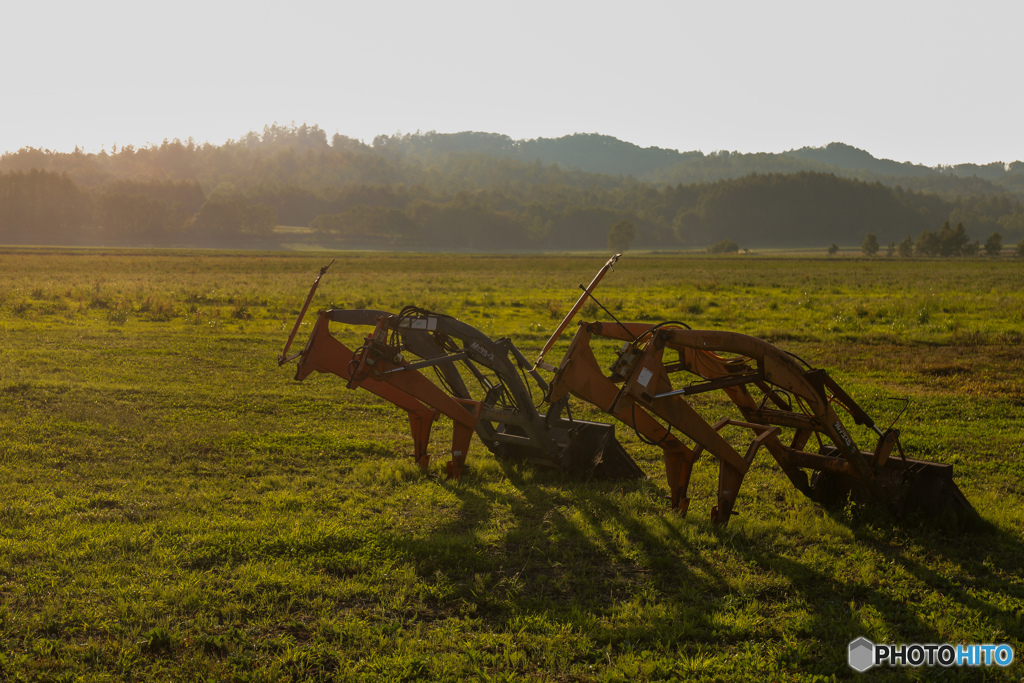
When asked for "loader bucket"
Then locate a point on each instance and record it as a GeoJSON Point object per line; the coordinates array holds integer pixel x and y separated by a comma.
{"type": "Point", "coordinates": [595, 452]}
{"type": "Point", "coordinates": [925, 488]}
{"type": "Point", "coordinates": [592, 451]}
{"type": "Point", "coordinates": [911, 488]}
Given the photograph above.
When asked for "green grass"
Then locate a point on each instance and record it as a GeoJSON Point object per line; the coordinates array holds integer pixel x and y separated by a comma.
{"type": "Point", "coordinates": [173, 506]}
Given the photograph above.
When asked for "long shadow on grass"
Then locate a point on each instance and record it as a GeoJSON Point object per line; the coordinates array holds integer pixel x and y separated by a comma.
{"type": "Point", "coordinates": [560, 547]}
{"type": "Point", "coordinates": [983, 560]}
{"type": "Point", "coordinates": [605, 558]}
{"type": "Point", "coordinates": [612, 560]}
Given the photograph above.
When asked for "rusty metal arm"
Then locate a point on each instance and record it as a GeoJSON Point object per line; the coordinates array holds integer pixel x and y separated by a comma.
{"type": "Point", "coordinates": [291, 337]}
{"type": "Point", "coordinates": [572, 312]}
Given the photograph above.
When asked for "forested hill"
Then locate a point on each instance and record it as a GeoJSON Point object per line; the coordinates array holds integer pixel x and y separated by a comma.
{"type": "Point", "coordinates": [481, 191]}
{"type": "Point", "coordinates": [608, 155]}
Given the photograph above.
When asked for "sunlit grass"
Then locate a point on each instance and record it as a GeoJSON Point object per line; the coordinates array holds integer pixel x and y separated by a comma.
{"type": "Point", "coordinates": [174, 506]}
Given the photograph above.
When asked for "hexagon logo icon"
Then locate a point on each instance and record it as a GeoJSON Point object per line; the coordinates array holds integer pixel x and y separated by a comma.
{"type": "Point", "coordinates": [861, 655]}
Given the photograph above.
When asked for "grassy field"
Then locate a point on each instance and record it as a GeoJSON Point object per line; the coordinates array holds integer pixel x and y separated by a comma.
{"type": "Point", "coordinates": [174, 506]}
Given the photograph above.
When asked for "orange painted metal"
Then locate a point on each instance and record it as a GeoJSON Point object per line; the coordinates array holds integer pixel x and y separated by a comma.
{"type": "Point", "coordinates": [794, 399]}
{"type": "Point", "coordinates": [302, 314]}
{"type": "Point", "coordinates": [587, 292]}
{"type": "Point", "coordinates": [580, 374]}
{"type": "Point", "coordinates": [502, 412]}
{"type": "Point", "coordinates": [409, 390]}
{"type": "Point", "coordinates": [783, 401]}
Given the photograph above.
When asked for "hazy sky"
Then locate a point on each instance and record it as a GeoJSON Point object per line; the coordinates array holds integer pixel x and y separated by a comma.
{"type": "Point", "coordinates": [931, 82]}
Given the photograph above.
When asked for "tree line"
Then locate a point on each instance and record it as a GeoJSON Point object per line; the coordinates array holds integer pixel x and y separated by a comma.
{"type": "Point", "coordinates": [306, 157]}
{"type": "Point", "coordinates": [945, 243]}
{"type": "Point", "coordinates": [401, 192]}
{"type": "Point", "coordinates": [796, 210]}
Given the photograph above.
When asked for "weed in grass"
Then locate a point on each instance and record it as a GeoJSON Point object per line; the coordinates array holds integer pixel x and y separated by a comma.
{"type": "Point", "coordinates": [695, 308]}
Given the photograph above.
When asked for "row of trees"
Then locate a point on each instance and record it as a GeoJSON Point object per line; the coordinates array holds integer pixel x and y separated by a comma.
{"type": "Point", "coordinates": [777, 210]}
{"type": "Point", "coordinates": [947, 242]}
{"type": "Point", "coordinates": [40, 207]}
{"type": "Point", "coordinates": [794, 210]}
{"type": "Point", "coordinates": [305, 156]}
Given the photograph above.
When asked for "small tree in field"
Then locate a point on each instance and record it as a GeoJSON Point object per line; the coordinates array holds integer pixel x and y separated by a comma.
{"type": "Point", "coordinates": [870, 245]}
{"type": "Point", "coordinates": [621, 236]}
{"type": "Point", "coordinates": [927, 244]}
{"type": "Point", "coordinates": [1020, 249]}
{"type": "Point", "coordinates": [833, 249]}
{"type": "Point", "coordinates": [726, 246]}
{"type": "Point", "coordinates": [906, 247]}
{"type": "Point", "coordinates": [994, 244]}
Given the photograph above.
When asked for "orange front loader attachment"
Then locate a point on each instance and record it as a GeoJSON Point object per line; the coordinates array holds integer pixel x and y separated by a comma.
{"type": "Point", "coordinates": [484, 385]}
{"type": "Point", "coordinates": [373, 367]}
{"type": "Point", "coordinates": [777, 395]}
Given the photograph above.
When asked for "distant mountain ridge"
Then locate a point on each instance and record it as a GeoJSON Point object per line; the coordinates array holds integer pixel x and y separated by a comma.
{"type": "Point", "coordinates": [603, 154]}
{"type": "Point", "coordinates": [852, 158]}
{"type": "Point", "coordinates": [485, 191]}
{"type": "Point", "coordinates": [588, 152]}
